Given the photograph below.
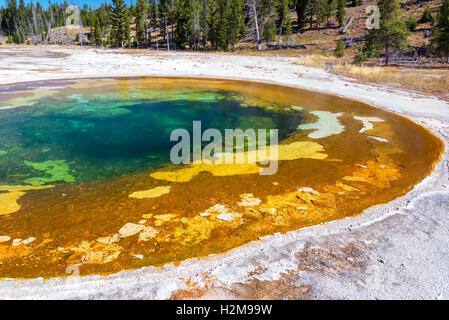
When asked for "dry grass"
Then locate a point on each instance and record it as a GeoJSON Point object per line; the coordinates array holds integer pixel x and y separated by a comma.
{"type": "Point", "coordinates": [435, 81]}
{"type": "Point", "coordinates": [317, 61]}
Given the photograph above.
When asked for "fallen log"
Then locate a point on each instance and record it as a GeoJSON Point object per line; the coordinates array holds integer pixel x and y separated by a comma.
{"type": "Point", "coordinates": [346, 27]}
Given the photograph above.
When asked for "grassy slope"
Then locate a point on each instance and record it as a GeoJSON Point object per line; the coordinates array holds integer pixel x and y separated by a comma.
{"type": "Point", "coordinates": [321, 42]}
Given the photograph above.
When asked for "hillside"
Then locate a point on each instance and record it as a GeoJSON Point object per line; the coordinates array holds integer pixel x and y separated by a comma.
{"type": "Point", "coordinates": [314, 45]}
{"type": "Point", "coordinates": [322, 40]}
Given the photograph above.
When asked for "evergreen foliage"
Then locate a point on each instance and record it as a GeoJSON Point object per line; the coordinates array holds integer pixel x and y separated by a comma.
{"type": "Point", "coordinates": [412, 23]}
{"type": "Point", "coordinates": [440, 32]}
{"type": "Point", "coordinates": [340, 49]}
{"type": "Point", "coordinates": [392, 34]}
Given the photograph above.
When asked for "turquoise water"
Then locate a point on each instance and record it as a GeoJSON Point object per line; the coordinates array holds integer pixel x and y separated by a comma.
{"type": "Point", "coordinates": [75, 139]}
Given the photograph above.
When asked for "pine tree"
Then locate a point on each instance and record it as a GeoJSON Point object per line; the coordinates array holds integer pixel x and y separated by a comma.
{"type": "Point", "coordinates": [169, 15]}
{"type": "Point", "coordinates": [301, 11]}
{"type": "Point", "coordinates": [393, 32]}
{"type": "Point", "coordinates": [194, 35]}
{"type": "Point", "coordinates": [211, 22]}
{"type": "Point", "coordinates": [440, 34]}
{"type": "Point", "coordinates": [222, 25]}
{"type": "Point", "coordinates": [21, 12]}
{"type": "Point", "coordinates": [153, 14]}
{"type": "Point", "coordinates": [427, 16]}
{"type": "Point", "coordinates": [340, 49]}
{"type": "Point", "coordinates": [203, 23]}
{"type": "Point", "coordinates": [282, 9]}
{"type": "Point", "coordinates": [132, 9]}
{"type": "Point", "coordinates": [411, 23]}
{"type": "Point", "coordinates": [127, 27]}
{"type": "Point", "coordinates": [141, 13]}
{"type": "Point", "coordinates": [96, 38]}
{"type": "Point", "coordinates": [372, 47]}
{"type": "Point", "coordinates": [94, 35]}
{"type": "Point", "coordinates": [288, 30]}
{"type": "Point", "coordinates": [236, 21]}
{"type": "Point", "coordinates": [183, 21]}
{"type": "Point", "coordinates": [319, 11]}
{"type": "Point", "coordinates": [9, 18]}
{"type": "Point", "coordinates": [120, 21]}
{"type": "Point", "coordinates": [329, 8]}
{"type": "Point", "coordinates": [153, 11]}
{"type": "Point", "coordinates": [341, 12]}
{"type": "Point", "coordinates": [225, 23]}
{"type": "Point", "coordinates": [311, 11]}
{"type": "Point", "coordinates": [269, 31]}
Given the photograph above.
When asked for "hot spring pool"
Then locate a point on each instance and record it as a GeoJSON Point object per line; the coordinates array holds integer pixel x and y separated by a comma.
{"type": "Point", "coordinates": [86, 178]}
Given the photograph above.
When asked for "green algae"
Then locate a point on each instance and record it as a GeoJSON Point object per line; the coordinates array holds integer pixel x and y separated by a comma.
{"type": "Point", "coordinates": [198, 96]}
{"type": "Point", "coordinates": [3, 152]}
{"type": "Point", "coordinates": [55, 170]}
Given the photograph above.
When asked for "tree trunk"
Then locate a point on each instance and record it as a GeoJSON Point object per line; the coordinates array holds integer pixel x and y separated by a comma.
{"type": "Point", "coordinates": [145, 36]}
{"type": "Point", "coordinates": [346, 27]}
{"type": "Point", "coordinates": [259, 44]}
{"type": "Point", "coordinates": [387, 55]}
{"type": "Point", "coordinates": [203, 24]}
{"type": "Point", "coordinates": [280, 31]}
{"type": "Point", "coordinates": [166, 34]}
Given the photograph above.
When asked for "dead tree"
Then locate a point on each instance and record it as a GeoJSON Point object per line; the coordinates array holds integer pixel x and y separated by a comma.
{"type": "Point", "coordinates": [346, 27]}
{"type": "Point", "coordinates": [166, 33]}
{"type": "Point", "coordinates": [252, 5]}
